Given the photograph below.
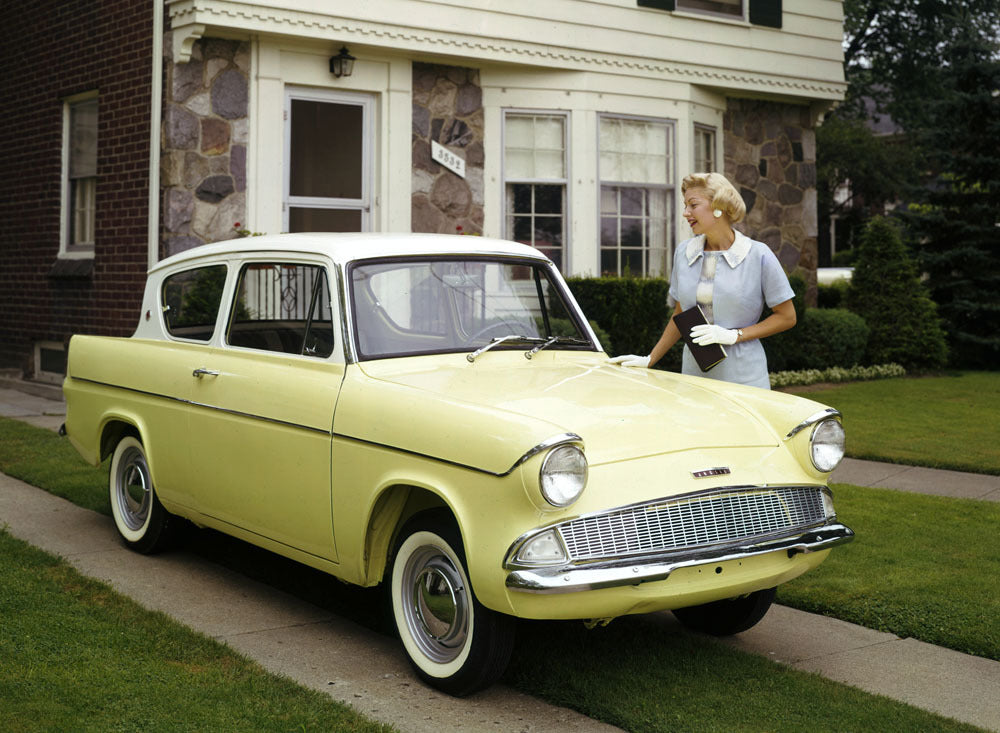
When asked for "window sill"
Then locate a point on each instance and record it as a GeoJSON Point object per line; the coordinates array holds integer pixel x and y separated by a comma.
{"type": "Point", "coordinates": [76, 268]}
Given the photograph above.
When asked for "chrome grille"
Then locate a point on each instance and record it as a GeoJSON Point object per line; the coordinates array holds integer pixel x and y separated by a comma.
{"type": "Point", "coordinates": [726, 515]}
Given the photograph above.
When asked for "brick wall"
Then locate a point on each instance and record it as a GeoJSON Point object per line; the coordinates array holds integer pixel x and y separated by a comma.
{"type": "Point", "coordinates": [50, 50]}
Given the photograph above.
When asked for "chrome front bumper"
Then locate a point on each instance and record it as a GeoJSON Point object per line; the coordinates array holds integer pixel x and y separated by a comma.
{"type": "Point", "coordinates": [594, 575]}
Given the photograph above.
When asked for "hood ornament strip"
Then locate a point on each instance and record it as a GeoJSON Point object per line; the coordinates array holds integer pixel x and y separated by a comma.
{"type": "Point", "coordinates": [706, 472]}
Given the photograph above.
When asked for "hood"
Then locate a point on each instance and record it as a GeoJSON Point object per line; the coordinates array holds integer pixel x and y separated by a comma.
{"type": "Point", "coordinates": [620, 413]}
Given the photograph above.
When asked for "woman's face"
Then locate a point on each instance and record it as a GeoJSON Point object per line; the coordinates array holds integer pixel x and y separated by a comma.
{"type": "Point", "coordinates": [698, 210]}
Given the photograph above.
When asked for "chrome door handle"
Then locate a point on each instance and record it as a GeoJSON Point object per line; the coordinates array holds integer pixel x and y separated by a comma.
{"type": "Point", "coordinates": [202, 371]}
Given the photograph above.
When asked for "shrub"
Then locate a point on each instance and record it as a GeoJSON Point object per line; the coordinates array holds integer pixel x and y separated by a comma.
{"type": "Point", "coordinates": [832, 295]}
{"type": "Point", "coordinates": [827, 337]}
{"type": "Point", "coordinates": [886, 291]}
{"type": "Point", "coordinates": [836, 374]}
{"type": "Point", "coordinates": [632, 311]}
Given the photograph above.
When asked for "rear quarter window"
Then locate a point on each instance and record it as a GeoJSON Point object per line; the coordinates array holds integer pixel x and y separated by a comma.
{"type": "Point", "coordinates": [191, 301]}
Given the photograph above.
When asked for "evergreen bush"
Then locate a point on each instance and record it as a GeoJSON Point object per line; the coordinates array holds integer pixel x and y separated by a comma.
{"type": "Point", "coordinates": [632, 311]}
{"type": "Point", "coordinates": [886, 291]}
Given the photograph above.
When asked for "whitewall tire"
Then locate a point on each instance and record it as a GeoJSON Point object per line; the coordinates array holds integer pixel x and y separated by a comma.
{"type": "Point", "coordinates": [140, 519]}
{"type": "Point", "coordinates": [454, 643]}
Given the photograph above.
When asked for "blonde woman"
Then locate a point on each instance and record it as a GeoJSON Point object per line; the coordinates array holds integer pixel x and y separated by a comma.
{"type": "Point", "coordinates": [732, 278]}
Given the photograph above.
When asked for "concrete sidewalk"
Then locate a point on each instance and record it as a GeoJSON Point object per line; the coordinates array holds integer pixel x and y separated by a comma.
{"type": "Point", "coordinates": [366, 670]}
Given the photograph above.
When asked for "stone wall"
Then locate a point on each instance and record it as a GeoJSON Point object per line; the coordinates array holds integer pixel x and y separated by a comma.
{"type": "Point", "coordinates": [447, 108]}
{"type": "Point", "coordinates": [205, 128]}
{"type": "Point", "coordinates": [770, 154]}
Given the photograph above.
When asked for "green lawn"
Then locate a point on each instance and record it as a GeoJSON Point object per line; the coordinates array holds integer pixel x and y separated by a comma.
{"type": "Point", "coordinates": [76, 656]}
{"type": "Point", "coordinates": [942, 422]}
{"type": "Point", "coordinates": [921, 566]}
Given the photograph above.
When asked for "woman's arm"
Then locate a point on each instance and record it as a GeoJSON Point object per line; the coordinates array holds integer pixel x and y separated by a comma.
{"type": "Point", "coordinates": [781, 319]}
{"type": "Point", "coordinates": [671, 334]}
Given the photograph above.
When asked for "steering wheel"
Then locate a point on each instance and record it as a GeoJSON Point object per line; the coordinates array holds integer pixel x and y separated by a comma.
{"type": "Point", "coordinates": [500, 328]}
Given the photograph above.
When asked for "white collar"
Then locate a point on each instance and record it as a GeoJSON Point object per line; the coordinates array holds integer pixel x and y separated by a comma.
{"type": "Point", "coordinates": [734, 255]}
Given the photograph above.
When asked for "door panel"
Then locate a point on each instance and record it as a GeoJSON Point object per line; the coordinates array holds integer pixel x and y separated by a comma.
{"type": "Point", "coordinates": [260, 445]}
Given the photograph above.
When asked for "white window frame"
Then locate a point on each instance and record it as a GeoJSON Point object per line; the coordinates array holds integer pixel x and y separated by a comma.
{"type": "Point", "coordinates": [670, 227]}
{"type": "Point", "coordinates": [364, 204]}
{"type": "Point", "coordinates": [68, 250]}
{"type": "Point", "coordinates": [507, 112]}
{"type": "Point", "coordinates": [699, 130]}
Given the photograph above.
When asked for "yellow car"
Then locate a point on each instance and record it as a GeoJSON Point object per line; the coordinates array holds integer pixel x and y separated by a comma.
{"type": "Point", "coordinates": [434, 413]}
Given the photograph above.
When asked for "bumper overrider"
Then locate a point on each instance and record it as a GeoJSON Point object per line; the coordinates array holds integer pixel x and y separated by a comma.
{"type": "Point", "coordinates": [646, 542]}
{"type": "Point", "coordinates": [594, 575]}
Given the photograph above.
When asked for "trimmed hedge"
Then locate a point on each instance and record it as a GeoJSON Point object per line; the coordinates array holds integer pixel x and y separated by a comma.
{"type": "Point", "coordinates": [633, 313]}
{"type": "Point", "coordinates": [822, 338]}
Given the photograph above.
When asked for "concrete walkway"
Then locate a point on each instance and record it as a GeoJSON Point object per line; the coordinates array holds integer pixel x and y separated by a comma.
{"type": "Point", "coordinates": [366, 670]}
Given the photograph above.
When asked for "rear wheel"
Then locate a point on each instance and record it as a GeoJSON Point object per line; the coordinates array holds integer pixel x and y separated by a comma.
{"type": "Point", "coordinates": [731, 616]}
{"type": "Point", "coordinates": [142, 522]}
{"type": "Point", "coordinates": [453, 642]}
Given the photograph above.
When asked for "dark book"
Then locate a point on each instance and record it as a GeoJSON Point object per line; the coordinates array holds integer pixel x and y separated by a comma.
{"type": "Point", "coordinates": [706, 356]}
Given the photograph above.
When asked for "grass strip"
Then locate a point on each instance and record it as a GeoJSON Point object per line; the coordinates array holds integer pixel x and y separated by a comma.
{"type": "Point", "coordinates": [41, 458]}
{"type": "Point", "coordinates": [75, 655]}
{"type": "Point", "coordinates": [921, 566]}
{"type": "Point", "coordinates": [642, 675]}
{"type": "Point", "coordinates": [941, 422]}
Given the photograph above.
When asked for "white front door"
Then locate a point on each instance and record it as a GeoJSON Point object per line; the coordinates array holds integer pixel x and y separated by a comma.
{"type": "Point", "coordinates": [328, 161]}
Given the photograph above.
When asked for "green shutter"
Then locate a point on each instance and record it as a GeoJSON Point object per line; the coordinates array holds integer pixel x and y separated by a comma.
{"type": "Point", "coordinates": [766, 12]}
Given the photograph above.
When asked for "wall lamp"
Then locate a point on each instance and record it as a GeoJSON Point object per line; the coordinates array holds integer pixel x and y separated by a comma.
{"type": "Point", "coordinates": [342, 64]}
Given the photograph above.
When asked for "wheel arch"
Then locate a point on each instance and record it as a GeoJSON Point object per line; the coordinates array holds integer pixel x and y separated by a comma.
{"type": "Point", "coordinates": [395, 505]}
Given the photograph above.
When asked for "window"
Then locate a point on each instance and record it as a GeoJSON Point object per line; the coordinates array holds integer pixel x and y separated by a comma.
{"type": "Point", "coordinates": [535, 182]}
{"type": "Point", "coordinates": [328, 149]}
{"type": "Point", "coordinates": [79, 175]}
{"type": "Point", "coordinates": [407, 307]}
{"type": "Point", "coordinates": [704, 149]}
{"type": "Point", "coordinates": [191, 302]}
{"type": "Point", "coordinates": [761, 12]}
{"type": "Point", "coordinates": [731, 8]}
{"type": "Point", "coordinates": [283, 307]}
{"type": "Point", "coordinates": [637, 182]}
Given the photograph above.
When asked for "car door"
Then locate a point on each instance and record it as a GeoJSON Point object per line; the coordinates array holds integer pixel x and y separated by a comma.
{"type": "Point", "coordinates": [261, 429]}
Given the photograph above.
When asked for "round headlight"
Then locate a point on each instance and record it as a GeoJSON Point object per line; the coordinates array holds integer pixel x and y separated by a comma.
{"type": "Point", "coordinates": [563, 475]}
{"type": "Point", "coordinates": [826, 446]}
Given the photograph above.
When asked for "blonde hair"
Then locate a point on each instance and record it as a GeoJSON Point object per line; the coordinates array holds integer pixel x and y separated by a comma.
{"type": "Point", "coordinates": [723, 194]}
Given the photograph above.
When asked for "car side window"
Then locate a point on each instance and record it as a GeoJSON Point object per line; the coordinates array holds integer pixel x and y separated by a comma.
{"type": "Point", "coordinates": [283, 307]}
{"type": "Point", "coordinates": [191, 302]}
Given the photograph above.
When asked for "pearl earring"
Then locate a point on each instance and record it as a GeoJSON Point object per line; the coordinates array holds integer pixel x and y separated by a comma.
{"type": "Point", "coordinates": [717, 213]}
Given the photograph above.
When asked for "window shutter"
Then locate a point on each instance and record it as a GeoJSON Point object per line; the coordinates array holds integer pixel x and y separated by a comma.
{"type": "Point", "coordinates": [766, 12]}
{"type": "Point", "coordinates": [658, 4]}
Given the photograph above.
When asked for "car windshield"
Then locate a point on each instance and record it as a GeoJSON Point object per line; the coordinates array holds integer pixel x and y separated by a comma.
{"type": "Point", "coordinates": [408, 307]}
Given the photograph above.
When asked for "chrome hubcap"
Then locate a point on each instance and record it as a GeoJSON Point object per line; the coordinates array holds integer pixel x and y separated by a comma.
{"type": "Point", "coordinates": [437, 613]}
{"type": "Point", "coordinates": [132, 489]}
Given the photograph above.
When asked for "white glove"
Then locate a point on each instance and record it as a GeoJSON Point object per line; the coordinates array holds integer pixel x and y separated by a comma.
{"type": "Point", "coordinates": [631, 360]}
{"type": "Point", "coordinates": [712, 334]}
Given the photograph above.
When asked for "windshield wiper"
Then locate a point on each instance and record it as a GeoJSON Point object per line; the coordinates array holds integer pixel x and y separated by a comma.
{"type": "Point", "coordinates": [497, 340]}
{"type": "Point", "coordinates": [555, 340]}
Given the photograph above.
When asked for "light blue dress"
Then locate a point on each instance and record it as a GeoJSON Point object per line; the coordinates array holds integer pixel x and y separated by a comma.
{"type": "Point", "coordinates": [748, 277]}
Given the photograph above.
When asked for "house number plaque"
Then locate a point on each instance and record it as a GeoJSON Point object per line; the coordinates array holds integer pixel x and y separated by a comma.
{"type": "Point", "coordinates": [448, 159]}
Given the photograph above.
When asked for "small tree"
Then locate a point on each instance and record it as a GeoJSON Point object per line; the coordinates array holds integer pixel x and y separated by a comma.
{"type": "Point", "coordinates": [886, 291]}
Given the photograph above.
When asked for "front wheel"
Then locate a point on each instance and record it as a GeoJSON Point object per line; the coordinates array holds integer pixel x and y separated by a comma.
{"type": "Point", "coordinates": [142, 522]}
{"type": "Point", "coordinates": [728, 617]}
{"type": "Point", "coordinates": [454, 643]}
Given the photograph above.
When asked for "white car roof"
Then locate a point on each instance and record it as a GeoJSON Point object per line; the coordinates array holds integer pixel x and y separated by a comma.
{"type": "Point", "coordinates": [343, 248]}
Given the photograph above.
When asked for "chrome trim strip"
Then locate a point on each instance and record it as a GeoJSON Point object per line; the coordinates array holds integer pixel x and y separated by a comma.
{"type": "Point", "coordinates": [612, 574]}
{"type": "Point", "coordinates": [812, 420]}
{"type": "Point", "coordinates": [192, 403]}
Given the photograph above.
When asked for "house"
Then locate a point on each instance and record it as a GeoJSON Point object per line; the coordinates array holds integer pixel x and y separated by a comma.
{"type": "Point", "coordinates": [137, 130]}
